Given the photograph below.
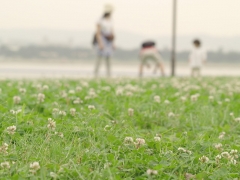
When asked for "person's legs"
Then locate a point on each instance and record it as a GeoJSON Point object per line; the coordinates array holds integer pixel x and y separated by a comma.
{"type": "Point", "coordinates": [98, 63]}
{"type": "Point", "coordinates": [195, 72]}
{"type": "Point", "coordinates": [192, 72]}
{"type": "Point", "coordinates": [142, 61]}
{"type": "Point", "coordinates": [157, 57]}
{"type": "Point", "coordinates": [155, 69]}
{"type": "Point", "coordinates": [161, 66]}
{"type": "Point", "coordinates": [141, 70]}
{"type": "Point", "coordinates": [198, 71]}
{"type": "Point", "coordinates": [108, 66]}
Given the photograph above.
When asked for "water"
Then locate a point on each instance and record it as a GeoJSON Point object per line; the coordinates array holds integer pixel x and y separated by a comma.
{"type": "Point", "coordinates": [81, 69]}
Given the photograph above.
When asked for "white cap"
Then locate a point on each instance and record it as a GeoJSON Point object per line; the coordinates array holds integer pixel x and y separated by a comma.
{"type": "Point", "coordinates": [108, 8]}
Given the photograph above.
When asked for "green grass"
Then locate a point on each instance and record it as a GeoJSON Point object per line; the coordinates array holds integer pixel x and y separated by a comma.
{"type": "Point", "coordinates": [93, 147]}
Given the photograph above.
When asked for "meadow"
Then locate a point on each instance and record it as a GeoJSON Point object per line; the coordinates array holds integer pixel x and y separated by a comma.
{"type": "Point", "coordinates": [166, 128]}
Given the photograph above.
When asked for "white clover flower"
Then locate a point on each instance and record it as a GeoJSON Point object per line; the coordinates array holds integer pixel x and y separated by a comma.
{"type": "Point", "coordinates": [64, 94]}
{"type": "Point", "coordinates": [107, 127]}
{"type": "Point", "coordinates": [51, 124]}
{"type": "Point", "coordinates": [227, 100]}
{"type": "Point", "coordinates": [4, 148]}
{"type": "Point", "coordinates": [194, 97]}
{"type": "Point", "coordinates": [39, 86]}
{"type": "Point", "coordinates": [22, 90]}
{"type": "Point", "coordinates": [106, 88]}
{"type": "Point", "coordinates": [226, 155]}
{"type": "Point", "coordinates": [91, 107]}
{"type": "Point", "coordinates": [76, 128]}
{"type": "Point", "coordinates": [220, 102]}
{"type": "Point", "coordinates": [171, 114]}
{"type": "Point", "coordinates": [231, 114]}
{"type": "Point", "coordinates": [157, 99]}
{"type": "Point", "coordinates": [55, 110]}
{"type": "Point", "coordinates": [92, 94]}
{"type": "Point", "coordinates": [189, 176]}
{"type": "Point", "coordinates": [106, 165]}
{"type": "Point", "coordinates": [237, 119]}
{"type": "Point", "coordinates": [34, 167]}
{"type": "Point", "coordinates": [55, 103]}
{"type": "Point", "coordinates": [5, 165]}
{"type": "Point", "coordinates": [139, 142]}
{"type": "Point", "coordinates": [62, 113]}
{"type": "Point", "coordinates": [218, 146]}
{"type": "Point", "coordinates": [40, 97]}
{"type": "Point", "coordinates": [53, 175]}
{"type": "Point", "coordinates": [211, 98]}
{"type": "Point", "coordinates": [45, 87]}
{"type": "Point", "coordinates": [204, 159]}
{"type": "Point", "coordinates": [152, 172]}
{"type": "Point", "coordinates": [130, 112]}
{"type": "Point", "coordinates": [128, 140]}
{"type": "Point", "coordinates": [60, 134]}
{"type": "Point", "coordinates": [154, 86]}
{"type": "Point", "coordinates": [73, 111]}
{"type": "Point", "coordinates": [177, 94]}
{"type": "Point", "coordinates": [234, 153]}
{"type": "Point", "coordinates": [16, 99]}
{"type": "Point", "coordinates": [157, 138]}
{"type": "Point", "coordinates": [78, 88]}
{"type": "Point", "coordinates": [119, 91]}
{"type": "Point", "coordinates": [18, 111]}
{"type": "Point", "coordinates": [77, 101]}
{"type": "Point", "coordinates": [182, 149]}
{"type": "Point", "coordinates": [167, 101]}
{"type": "Point", "coordinates": [71, 91]}
{"type": "Point", "coordinates": [129, 93]}
{"type": "Point", "coordinates": [87, 97]}
{"type": "Point", "coordinates": [12, 111]}
{"type": "Point", "coordinates": [218, 157]}
{"type": "Point", "coordinates": [183, 98]}
{"type": "Point", "coordinates": [189, 152]}
{"type": "Point", "coordinates": [168, 152]}
{"type": "Point", "coordinates": [11, 130]}
{"type": "Point", "coordinates": [221, 135]}
{"type": "Point", "coordinates": [233, 161]}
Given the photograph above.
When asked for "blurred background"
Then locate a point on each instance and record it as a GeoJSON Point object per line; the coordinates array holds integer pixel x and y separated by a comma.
{"type": "Point", "coordinates": [53, 38]}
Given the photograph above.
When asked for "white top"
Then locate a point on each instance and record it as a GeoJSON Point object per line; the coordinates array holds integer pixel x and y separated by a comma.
{"type": "Point", "coordinates": [197, 56]}
{"type": "Point", "coordinates": [106, 26]}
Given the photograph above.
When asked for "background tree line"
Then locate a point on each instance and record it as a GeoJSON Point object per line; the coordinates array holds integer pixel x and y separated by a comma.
{"type": "Point", "coordinates": [65, 52]}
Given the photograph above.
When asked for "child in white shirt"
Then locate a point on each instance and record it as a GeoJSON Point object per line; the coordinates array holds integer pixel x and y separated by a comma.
{"type": "Point", "coordinates": [196, 58]}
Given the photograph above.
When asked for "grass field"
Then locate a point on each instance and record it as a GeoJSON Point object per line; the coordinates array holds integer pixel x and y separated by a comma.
{"type": "Point", "coordinates": [164, 128]}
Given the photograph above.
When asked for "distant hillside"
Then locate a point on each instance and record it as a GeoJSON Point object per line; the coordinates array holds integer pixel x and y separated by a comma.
{"type": "Point", "coordinates": [125, 40]}
{"type": "Point", "coordinates": [66, 52]}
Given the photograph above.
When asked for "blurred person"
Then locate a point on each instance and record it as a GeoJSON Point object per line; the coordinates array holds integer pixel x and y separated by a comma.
{"type": "Point", "coordinates": [104, 40]}
{"type": "Point", "coordinates": [150, 52]}
{"type": "Point", "coordinates": [196, 58]}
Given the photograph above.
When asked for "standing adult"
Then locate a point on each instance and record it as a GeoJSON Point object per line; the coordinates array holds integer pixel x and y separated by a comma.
{"type": "Point", "coordinates": [104, 40]}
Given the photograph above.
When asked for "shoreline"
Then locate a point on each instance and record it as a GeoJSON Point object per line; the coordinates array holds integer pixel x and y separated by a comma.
{"type": "Point", "coordinates": [84, 69]}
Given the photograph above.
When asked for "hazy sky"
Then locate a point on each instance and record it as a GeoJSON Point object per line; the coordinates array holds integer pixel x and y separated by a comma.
{"type": "Point", "coordinates": [147, 17]}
